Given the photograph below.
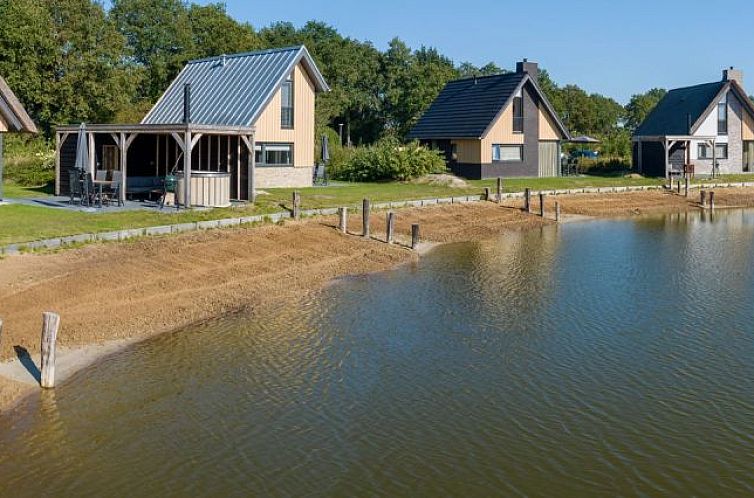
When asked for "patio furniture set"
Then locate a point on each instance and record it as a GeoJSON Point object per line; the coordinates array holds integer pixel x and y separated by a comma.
{"type": "Point", "coordinates": [97, 191]}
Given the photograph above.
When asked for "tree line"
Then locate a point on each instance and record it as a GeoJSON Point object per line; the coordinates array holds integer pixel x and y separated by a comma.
{"type": "Point", "coordinates": [75, 60]}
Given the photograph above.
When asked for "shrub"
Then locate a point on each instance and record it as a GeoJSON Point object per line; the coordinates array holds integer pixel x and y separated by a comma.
{"type": "Point", "coordinates": [388, 159]}
{"type": "Point", "coordinates": [29, 161]}
{"type": "Point", "coordinates": [604, 166]}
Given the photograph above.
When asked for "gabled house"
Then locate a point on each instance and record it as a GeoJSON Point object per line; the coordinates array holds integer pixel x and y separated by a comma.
{"type": "Point", "coordinates": [703, 126]}
{"type": "Point", "coordinates": [13, 119]}
{"type": "Point", "coordinates": [224, 127]}
{"type": "Point", "coordinates": [495, 126]}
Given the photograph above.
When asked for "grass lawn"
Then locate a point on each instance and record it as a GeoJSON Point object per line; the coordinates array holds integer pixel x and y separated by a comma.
{"type": "Point", "coordinates": [19, 223]}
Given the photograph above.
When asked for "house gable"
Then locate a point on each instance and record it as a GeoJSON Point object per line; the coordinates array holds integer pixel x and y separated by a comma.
{"type": "Point", "coordinates": [13, 116]}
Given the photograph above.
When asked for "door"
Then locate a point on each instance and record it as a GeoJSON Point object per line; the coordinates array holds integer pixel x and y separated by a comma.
{"type": "Point", "coordinates": [548, 159]}
{"type": "Point", "coordinates": [748, 156]}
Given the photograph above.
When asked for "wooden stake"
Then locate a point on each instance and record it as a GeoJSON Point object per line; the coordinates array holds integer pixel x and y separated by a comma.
{"type": "Point", "coordinates": [499, 190]}
{"type": "Point", "coordinates": [344, 219]}
{"type": "Point", "coordinates": [414, 236]}
{"type": "Point", "coordinates": [688, 181]}
{"type": "Point", "coordinates": [365, 217]}
{"type": "Point", "coordinates": [527, 200]}
{"type": "Point", "coordinates": [557, 211]}
{"type": "Point", "coordinates": [486, 193]}
{"type": "Point", "coordinates": [678, 184]}
{"type": "Point", "coordinates": [712, 200]}
{"type": "Point", "coordinates": [542, 205]}
{"type": "Point", "coordinates": [703, 198]}
{"type": "Point", "coordinates": [296, 205]}
{"type": "Point", "coordinates": [50, 324]}
{"type": "Point", "coordinates": [1, 331]}
{"type": "Point", "coordinates": [390, 222]}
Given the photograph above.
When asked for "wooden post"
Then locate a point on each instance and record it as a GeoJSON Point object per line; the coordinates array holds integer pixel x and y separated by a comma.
{"type": "Point", "coordinates": [542, 205]}
{"type": "Point", "coordinates": [365, 217]}
{"type": "Point", "coordinates": [499, 190]}
{"type": "Point", "coordinates": [50, 324]}
{"type": "Point", "coordinates": [557, 212]}
{"type": "Point", "coordinates": [670, 177]}
{"type": "Point", "coordinates": [296, 205]}
{"type": "Point", "coordinates": [344, 219]}
{"type": "Point", "coordinates": [527, 200]}
{"type": "Point", "coordinates": [703, 198]}
{"type": "Point", "coordinates": [679, 186]}
{"type": "Point", "coordinates": [486, 193]}
{"type": "Point", "coordinates": [688, 181]}
{"type": "Point", "coordinates": [414, 236]}
{"type": "Point", "coordinates": [712, 200]}
{"type": "Point", "coordinates": [1, 330]}
{"type": "Point", "coordinates": [390, 222]}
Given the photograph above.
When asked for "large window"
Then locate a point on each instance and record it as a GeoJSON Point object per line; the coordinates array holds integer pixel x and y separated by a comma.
{"type": "Point", "coordinates": [273, 155]}
{"type": "Point", "coordinates": [722, 117]}
{"type": "Point", "coordinates": [704, 151]}
{"type": "Point", "coordinates": [286, 104]}
{"type": "Point", "coordinates": [507, 153]}
{"type": "Point", "coordinates": [518, 115]}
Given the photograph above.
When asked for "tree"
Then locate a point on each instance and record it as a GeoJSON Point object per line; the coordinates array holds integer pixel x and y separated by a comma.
{"type": "Point", "coordinates": [640, 105]}
{"type": "Point", "coordinates": [467, 70]}
{"type": "Point", "coordinates": [215, 33]}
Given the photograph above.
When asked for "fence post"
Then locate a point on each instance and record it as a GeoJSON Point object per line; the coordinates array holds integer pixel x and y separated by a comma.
{"type": "Point", "coordinates": [344, 219]}
{"type": "Point", "coordinates": [557, 211]}
{"type": "Point", "coordinates": [296, 205]}
{"type": "Point", "coordinates": [712, 199]}
{"type": "Point", "coordinates": [703, 198]}
{"type": "Point", "coordinates": [527, 200]}
{"type": "Point", "coordinates": [499, 190]}
{"type": "Point", "coordinates": [50, 324]}
{"type": "Point", "coordinates": [390, 222]}
{"type": "Point", "coordinates": [486, 193]}
{"type": "Point", "coordinates": [1, 331]}
{"type": "Point", "coordinates": [688, 180]}
{"type": "Point", "coordinates": [542, 205]}
{"type": "Point", "coordinates": [679, 186]}
{"type": "Point", "coordinates": [365, 217]}
{"type": "Point", "coordinates": [414, 236]}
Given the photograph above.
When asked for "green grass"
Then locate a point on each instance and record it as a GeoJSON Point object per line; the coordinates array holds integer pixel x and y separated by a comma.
{"type": "Point", "coordinates": [13, 191]}
{"type": "Point", "coordinates": [19, 223]}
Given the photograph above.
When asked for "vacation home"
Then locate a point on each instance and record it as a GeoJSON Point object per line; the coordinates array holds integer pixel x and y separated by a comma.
{"type": "Point", "coordinates": [13, 119]}
{"type": "Point", "coordinates": [696, 128]}
{"type": "Point", "coordinates": [203, 128]}
{"type": "Point", "coordinates": [495, 126]}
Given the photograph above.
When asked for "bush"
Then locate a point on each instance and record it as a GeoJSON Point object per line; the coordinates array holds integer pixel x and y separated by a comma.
{"type": "Point", "coordinates": [29, 161]}
{"type": "Point", "coordinates": [388, 159]}
{"type": "Point", "coordinates": [604, 166]}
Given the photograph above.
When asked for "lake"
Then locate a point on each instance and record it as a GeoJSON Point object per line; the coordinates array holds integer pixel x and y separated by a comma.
{"type": "Point", "coordinates": [587, 359]}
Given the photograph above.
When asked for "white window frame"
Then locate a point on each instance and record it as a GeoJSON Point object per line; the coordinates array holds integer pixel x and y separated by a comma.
{"type": "Point", "coordinates": [499, 157]}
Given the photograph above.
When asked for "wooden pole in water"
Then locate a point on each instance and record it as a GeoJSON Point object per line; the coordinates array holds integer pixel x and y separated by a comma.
{"type": "Point", "coordinates": [50, 324]}
{"type": "Point", "coordinates": [344, 219]}
{"type": "Point", "coordinates": [486, 193]}
{"type": "Point", "coordinates": [557, 212]}
{"type": "Point", "coordinates": [703, 198]}
{"type": "Point", "coordinates": [390, 222]}
{"type": "Point", "coordinates": [712, 199]}
{"type": "Point", "coordinates": [542, 204]}
{"type": "Point", "coordinates": [499, 190]}
{"type": "Point", "coordinates": [527, 200]}
{"type": "Point", "coordinates": [365, 217]}
{"type": "Point", "coordinates": [296, 205]}
{"type": "Point", "coordinates": [414, 236]}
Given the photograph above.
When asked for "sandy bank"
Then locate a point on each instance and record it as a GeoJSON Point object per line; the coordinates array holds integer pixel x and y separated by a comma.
{"type": "Point", "coordinates": [109, 295]}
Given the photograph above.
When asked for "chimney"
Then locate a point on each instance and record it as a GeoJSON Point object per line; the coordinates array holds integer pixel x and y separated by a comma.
{"type": "Point", "coordinates": [732, 74]}
{"type": "Point", "coordinates": [187, 103]}
{"type": "Point", "coordinates": [528, 67]}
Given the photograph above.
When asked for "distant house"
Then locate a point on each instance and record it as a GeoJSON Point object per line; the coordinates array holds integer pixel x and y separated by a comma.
{"type": "Point", "coordinates": [13, 119]}
{"type": "Point", "coordinates": [203, 127]}
{"type": "Point", "coordinates": [495, 126]}
{"type": "Point", "coordinates": [702, 125]}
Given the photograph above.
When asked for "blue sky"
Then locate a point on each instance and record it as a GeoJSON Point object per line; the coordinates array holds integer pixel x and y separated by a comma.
{"type": "Point", "coordinates": [614, 48]}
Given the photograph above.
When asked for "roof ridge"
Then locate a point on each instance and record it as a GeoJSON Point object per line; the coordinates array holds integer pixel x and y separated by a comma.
{"type": "Point", "coordinates": [248, 54]}
{"type": "Point", "coordinates": [700, 85]}
{"type": "Point", "coordinates": [468, 78]}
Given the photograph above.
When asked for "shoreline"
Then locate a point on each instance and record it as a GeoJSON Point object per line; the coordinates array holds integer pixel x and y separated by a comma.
{"type": "Point", "coordinates": [171, 283]}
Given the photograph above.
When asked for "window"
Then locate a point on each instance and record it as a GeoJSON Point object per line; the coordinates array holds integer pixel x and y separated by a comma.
{"type": "Point", "coordinates": [286, 104]}
{"type": "Point", "coordinates": [518, 115]}
{"type": "Point", "coordinates": [508, 153]}
{"type": "Point", "coordinates": [273, 154]}
{"type": "Point", "coordinates": [722, 117]}
{"type": "Point", "coordinates": [704, 151]}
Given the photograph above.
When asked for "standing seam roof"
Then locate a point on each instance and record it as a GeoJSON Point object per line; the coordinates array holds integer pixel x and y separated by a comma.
{"type": "Point", "coordinates": [230, 90]}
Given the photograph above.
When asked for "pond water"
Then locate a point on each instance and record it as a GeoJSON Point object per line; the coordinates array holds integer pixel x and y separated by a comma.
{"type": "Point", "coordinates": [589, 359]}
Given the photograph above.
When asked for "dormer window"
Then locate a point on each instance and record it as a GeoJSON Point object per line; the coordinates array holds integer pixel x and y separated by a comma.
{"type": "Point", "coordinates": [286, 104]}
{"type": "Point", "coordinates": [722, 116]}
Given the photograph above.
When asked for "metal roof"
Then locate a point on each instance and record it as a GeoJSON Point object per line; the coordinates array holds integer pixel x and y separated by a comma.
{"type": "Point", "coordinates": [467, 108]}
{"type": "Point", "coordinates": [13, 112]}
{"type": "Point", "coordinates": [232, 90]}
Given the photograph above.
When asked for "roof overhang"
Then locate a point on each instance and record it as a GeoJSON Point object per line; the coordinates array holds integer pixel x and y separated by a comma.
{"type": "Point", "coordinates": [13, 112]}
{"type": "Point", "coordinates": [672, 138]}
{"type": "Point", "coordinates": [159, 129]}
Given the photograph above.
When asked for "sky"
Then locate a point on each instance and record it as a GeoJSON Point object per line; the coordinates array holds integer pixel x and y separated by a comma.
{"type": "Point", "coordinates": [614, 48]}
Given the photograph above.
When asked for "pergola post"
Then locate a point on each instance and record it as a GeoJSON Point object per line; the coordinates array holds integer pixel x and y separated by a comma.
{"type": "Point", "coordinates": [666, 146]}
{"type": "Point", "coordinates": [250, 142]}
{"type": "Point", "coordinates": [92, 155]}
{"type": "Point", "coordinates": [187, 169]}
{"type": "Point", "coordinates": [640, 159]}
{"type": "Point", "coordinates": [714, 157]}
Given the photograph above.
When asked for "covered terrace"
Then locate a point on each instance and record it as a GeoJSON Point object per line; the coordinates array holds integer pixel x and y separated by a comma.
{"type": "Point", "coordinates": [671, 152]}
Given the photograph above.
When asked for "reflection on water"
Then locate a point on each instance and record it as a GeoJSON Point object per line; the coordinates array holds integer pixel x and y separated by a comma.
{"type": "Point", "coordinates": [604, 358]}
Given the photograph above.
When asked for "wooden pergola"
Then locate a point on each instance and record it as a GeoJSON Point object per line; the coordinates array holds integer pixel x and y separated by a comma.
{"type": "Point", "coordinates": [668, 142]}
{"type": "Point", "coordinates": [185, 135]}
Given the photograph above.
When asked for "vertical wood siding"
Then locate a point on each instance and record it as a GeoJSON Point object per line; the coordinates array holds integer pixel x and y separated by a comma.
{"type": "Point", "coordinates": [500, 133]}
{"type": "Point", "coordinates": [469, 151]}
{"type": "Point", "coordinates": [547, 129]}
{"type": "Point", "coordinates": [748, 126]}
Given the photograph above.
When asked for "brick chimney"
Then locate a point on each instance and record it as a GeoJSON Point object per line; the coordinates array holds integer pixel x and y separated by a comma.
{"type": "Point", "coordinates": [528, 67]}
{"type": "Point", "coordinates": [732, 74]}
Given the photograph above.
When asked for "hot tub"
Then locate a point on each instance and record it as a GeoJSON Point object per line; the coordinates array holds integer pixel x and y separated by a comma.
{"type": "Point", "coordinates": [208, 188]}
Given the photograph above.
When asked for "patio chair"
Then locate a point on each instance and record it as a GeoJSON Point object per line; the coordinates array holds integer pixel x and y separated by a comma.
{"type": "Point", "coordinates": [100, 175]}
{"type": "Point", "coordinates": [91, 195]}
{"type": "Point", "coordinates": [320, 174]}
{"type": "Point", "coordinates": [74, 185]}
{"type": "Point", "coordinates": [113, 191]}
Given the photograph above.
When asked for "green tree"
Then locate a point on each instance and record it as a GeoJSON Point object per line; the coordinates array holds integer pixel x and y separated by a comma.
{"type": "Point", "coordinates": [215, 32]}
{"type": "Point", "coordinates": [640, 105]}
{"type": "Point", "coordinates": [467, 70]}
